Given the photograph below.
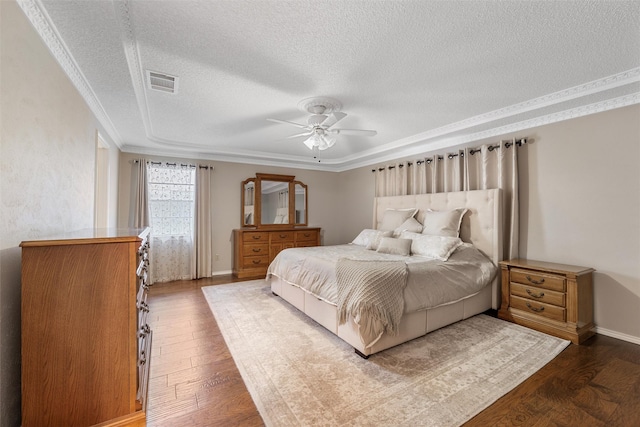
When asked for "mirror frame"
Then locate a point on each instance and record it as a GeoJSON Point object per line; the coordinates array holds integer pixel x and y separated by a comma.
{"type": "Point", "coordinates": [257, 207]}
{"type": "Point", "coordinates": [242, 202]}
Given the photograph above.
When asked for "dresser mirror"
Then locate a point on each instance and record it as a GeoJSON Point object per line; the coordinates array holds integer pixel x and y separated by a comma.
{"type": "Point", "coordinates": [271, 200]}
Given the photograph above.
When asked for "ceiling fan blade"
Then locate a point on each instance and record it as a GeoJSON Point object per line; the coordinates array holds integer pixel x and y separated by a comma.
{"type": "Point", "coordinates": [301, 126]}
{"type": "Point", "coordinates": [300, 134]}
{"type": "Point", "coordinates": [333, 118]}
{"type": "Point", "coordinates": [362, 132]}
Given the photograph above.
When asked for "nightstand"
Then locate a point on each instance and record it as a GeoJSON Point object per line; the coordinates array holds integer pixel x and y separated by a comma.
{"type": "Point", "coordinates": [553, 298]}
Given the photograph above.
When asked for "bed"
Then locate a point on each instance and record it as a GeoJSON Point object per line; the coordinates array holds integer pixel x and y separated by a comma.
{"type": "Point", "coordinates": [316, 280]}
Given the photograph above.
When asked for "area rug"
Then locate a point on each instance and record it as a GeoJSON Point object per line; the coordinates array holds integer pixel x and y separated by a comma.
{"type": "Point", "coordinates": [300, 374]}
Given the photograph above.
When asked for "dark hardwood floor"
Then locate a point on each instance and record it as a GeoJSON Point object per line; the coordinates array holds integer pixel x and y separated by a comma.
{"type": "Point", "coordinates": [194, 380]}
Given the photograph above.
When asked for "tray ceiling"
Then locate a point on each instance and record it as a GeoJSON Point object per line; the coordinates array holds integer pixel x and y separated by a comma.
{"type": "Point", "coordinates": [424, 74]}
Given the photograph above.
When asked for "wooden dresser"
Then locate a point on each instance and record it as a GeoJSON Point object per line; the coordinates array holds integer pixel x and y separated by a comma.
{"type": "Point", "coordinates": [254, 249]}
{"type": "Point", "coordinates": [85, 338]}
{"type": "Point", "coordinates": [553, 298]}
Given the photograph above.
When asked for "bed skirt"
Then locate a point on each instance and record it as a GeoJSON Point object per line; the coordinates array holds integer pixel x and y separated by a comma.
{"type": "Point", "coordinates": [412, 325]}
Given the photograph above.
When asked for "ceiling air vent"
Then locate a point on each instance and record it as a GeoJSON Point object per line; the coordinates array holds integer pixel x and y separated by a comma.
{"type": "Point", "coordinates": [163, 82]}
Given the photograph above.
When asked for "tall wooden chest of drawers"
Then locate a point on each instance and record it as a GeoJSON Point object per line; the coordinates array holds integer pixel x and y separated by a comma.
{"type": "Point", "coordinates": [553, 298]}
{"type": "Point", "coordinates": [85, 339]}
{"type": "Point", "coordinates": [254, 249]}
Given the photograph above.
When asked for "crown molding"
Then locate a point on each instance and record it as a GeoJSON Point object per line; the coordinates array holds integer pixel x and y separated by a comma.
{"type": "Point", "coordinates": [429, 146]}
{"type": "Point", "coordinates": [37, 15]}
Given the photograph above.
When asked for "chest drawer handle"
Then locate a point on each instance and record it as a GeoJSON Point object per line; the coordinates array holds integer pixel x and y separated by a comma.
{"type": "Point", "coordinates": [256, 237]}
{"type": "Point", "coordinates": [540, 295]}
{"type": "Point", "coordinates": [282, 236]}
{"type": "Point", "coordinates": [307, 234]}
{"type": "Point", "coordinates": [256, 261]}
{"type": "Point", "coordinates": [535, 282]}
{"type": "Point", "coordinates": [537, 310]}
{"type": "Point", "coordinates": [256, 249]}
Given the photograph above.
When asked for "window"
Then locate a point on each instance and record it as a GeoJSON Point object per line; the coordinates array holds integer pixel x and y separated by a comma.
{"type": "Point", "coordinates": [171, 199]}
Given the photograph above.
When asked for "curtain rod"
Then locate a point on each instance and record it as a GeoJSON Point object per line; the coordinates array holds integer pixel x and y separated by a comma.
{"type": "Point", "coordinates": [184, 165]}
{"type": "Point", "coordinates": [519, 142]}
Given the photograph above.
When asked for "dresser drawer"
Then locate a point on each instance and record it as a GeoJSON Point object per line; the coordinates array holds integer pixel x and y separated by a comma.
{"type": "Point", "coordinates": [255, 236]}
{"type": "Point", "coordinates": [250, 250]}
{"type": "Point", "coordinates": [305, 244]}
{"type": "Point", "coordinates": [306, 236]}
{"type": "Point", "coordinates": [281, 236]}
{"type": "Point", "coordinates": [256, 261]}
{"type": "Point", "coordinates": [540, 280]}
{"type": "Point", "coordinates": [538, 294]}
{"type": "Point", "coordinates": [541, 309]}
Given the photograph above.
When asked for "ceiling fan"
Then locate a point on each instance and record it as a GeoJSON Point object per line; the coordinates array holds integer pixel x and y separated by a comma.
{"type": "Point", "coordinates": [325, 113]}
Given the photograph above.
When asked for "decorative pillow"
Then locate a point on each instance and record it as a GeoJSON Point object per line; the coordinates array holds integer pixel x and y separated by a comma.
{"type": "Point", "coordinates": [393, 218]}
{"type": "Point", "coordinates": [389, 245]}
{"type": "Point", "coordinates": [410, 235]}
{"type": "Point", "coordinates": [437, 247]}
{"type": "Point", "coordinates": [443, 223]}
{"type": "Point", "coordinates": [411, 224]}
{"type": "Point", "coordinates": [370, 239]}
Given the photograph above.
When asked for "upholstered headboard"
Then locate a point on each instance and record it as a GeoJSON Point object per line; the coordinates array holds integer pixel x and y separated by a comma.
{"type": "Point", "coordinates": [481, 225]}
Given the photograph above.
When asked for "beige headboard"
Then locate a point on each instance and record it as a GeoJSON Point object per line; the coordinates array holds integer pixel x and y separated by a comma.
{"type": "Point", "coordinates": [481, 225]}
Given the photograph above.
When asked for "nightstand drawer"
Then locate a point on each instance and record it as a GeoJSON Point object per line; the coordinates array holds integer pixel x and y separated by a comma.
{"type": "Point", "coordinates": [532, 278]}
{"type": "Point", "coordinates": [538, 294]}
{"type": "Point", "coordinates": [539, 308]}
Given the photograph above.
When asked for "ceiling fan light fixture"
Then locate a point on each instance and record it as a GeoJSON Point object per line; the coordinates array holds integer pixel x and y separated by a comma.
{"type": "Point", "coordinates": [325, 113]}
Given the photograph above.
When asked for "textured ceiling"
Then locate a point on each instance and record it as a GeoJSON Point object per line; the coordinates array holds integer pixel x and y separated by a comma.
{"type": "Point", "coordinates": [424, 74]}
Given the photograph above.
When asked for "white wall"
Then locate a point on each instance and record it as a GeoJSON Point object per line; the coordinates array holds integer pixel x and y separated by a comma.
{"type": "Point", "coordinates": [579, 204]}
{"type": "Point", "coordinates": [47, 161]}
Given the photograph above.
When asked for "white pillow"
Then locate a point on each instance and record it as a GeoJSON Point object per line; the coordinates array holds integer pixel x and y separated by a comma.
{"type": "Point", "coordinates": [393, 218]}
{"type": "Point", "coordinates": [370, 239]}
{"type": "Point", "coordinates": [410, 235]}
{"type": "Point", "coordinates": [443, 223]}
{"type": "Point", "coordinates": [437, 247]}
{"type": "Point", "coordinates": [411, 224]}
{"type": "Point", "coordinates": [389, 245]}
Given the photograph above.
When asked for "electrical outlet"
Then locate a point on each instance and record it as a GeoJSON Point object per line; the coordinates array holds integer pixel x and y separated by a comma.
{"type": "Point", "coordinates": [217, 257]}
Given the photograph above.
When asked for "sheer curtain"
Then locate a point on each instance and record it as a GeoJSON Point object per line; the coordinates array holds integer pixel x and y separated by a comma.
{"type": "Point", "coordinates": [202, 260]}
{"type": "Point", "coordinates": [485, 167]}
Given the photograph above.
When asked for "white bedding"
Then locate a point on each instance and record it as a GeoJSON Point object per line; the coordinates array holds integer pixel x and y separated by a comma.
{"type": "Point", "coordinates": [430, 283]}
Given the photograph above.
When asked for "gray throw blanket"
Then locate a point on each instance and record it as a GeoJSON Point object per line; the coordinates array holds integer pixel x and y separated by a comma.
{"type": "Point", "coordinates": [372, 293]}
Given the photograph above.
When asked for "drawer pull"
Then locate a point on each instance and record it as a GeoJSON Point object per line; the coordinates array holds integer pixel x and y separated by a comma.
{"type": "Point", "coordinates": [256, 261]}
{"type": "Point", "coordinates": [535, 282]}
{"type": "Point", "coordinates": [256, 250]}
{"type": "Point", "coordinates": [256, 237]}
{"type": "Point", "coordinates": [307, 234]}
{"type": "Point", "coordinates": [537, 310]}
{"type": "Point", "coordinates": [282, 236]}
{"type": "Point", "coordinates": [540, 295]}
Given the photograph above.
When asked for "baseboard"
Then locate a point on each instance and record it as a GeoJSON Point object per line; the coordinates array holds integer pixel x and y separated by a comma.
{"type": "Point", "coordinates": [618, 335]}
{"type": "Point", "coordinates": [221, 273]}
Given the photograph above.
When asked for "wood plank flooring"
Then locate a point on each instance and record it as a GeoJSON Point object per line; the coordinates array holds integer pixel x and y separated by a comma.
{"type": "Point", "coordinates": [195, 382]}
